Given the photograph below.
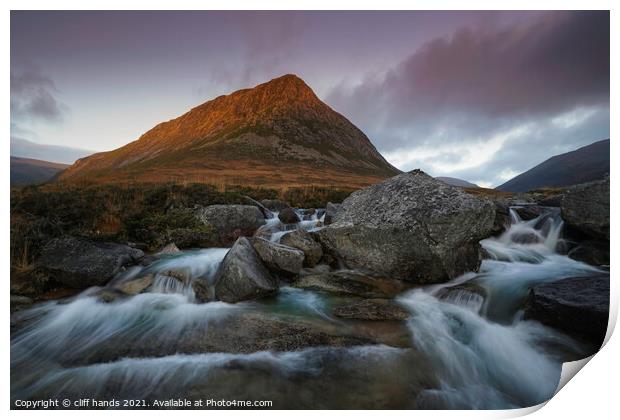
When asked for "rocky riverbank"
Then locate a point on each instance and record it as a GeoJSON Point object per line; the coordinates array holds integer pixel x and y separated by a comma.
{"type": "Point", "coordinates": [406, 268]}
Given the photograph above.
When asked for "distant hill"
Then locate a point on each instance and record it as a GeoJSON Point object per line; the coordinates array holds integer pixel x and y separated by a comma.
{"type": "Point", "coordinates": [586, 164]}
{"type": "Point", "coordinates": [455, 182]}
{"type": "Point", "coordinates": [52, 153]}
{"type": "Point", "coordinates": [32, 171]}
{"type": "Point", "coordinates": [278, 133]}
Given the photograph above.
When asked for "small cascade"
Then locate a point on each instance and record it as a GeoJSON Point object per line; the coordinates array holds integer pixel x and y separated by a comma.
{"type": "Point", "coordinates": [169, 284]}
{"type": "Point", "coordinates": [465, 299]}
{"type": "Point", "coordinates": [480, 364]}
{"type": "Point", "coordinates": [476, 348]}
{"type": "Point", "coordinates": [176, 273]}
{"type": "Point", "coordinates": [311, 224]}
{"type": "Point", "coordinates": [514, 216]}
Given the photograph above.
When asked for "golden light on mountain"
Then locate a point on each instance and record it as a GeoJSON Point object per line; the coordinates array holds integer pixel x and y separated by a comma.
{"type": "Point", "coordinates": [278, 133]}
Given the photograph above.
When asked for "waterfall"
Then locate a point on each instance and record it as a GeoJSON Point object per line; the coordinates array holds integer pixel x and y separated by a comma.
{"type": "Point", "coordinates": [470, 347]}
{"type": "Point", "coordinates": [485, 355]}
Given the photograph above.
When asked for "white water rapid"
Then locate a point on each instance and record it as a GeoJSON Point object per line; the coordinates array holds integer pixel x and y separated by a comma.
{"type": "Point", "coordinates": [468, 349]}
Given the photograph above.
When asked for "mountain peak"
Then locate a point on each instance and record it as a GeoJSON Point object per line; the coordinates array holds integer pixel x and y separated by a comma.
{"type": "Point", "coordinates": [276, 133]}
{"type": "Point", "coordinates": [290, 79]}
{"type": "Point", "coordinates": [288, 87]}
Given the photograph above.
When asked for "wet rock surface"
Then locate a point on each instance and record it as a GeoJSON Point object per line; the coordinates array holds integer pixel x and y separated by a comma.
{"type": "Point", "coordinates": [239, 333]}
{"type": "Point", "coordinates": [578, 306]}
{"type": "Point", "coordinates": [288, 216]}
{"type": "Point", "coordinates": [529, 212]}
{"type": "Point", "coordinates": [80, 263]}
{"type": "Point", "coordinates": [350, 282]}
{"type": "Point", "coordinates": [135, 286]}
{"type": "Point", "coordinates": [372, 310]}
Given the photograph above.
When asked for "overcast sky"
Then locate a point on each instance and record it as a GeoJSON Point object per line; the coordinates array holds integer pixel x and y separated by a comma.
{"type": "Point", "coordinates": [476, 95]}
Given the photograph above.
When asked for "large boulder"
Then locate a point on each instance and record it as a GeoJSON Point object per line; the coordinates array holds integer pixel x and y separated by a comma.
{"type": "Point", "coordinates": [81, 263]}
{"type": "Point", "coordinates": [280, 258]}
{"type": "Point", "coordinates": [242, 275]}
{"type": "Point", "coordinates": [585, 209]}
{"type": "Point", "coordinates": [303, 241]}
{"type": "Point", "coordinates": [231, 221]}
{"type": "Point", "coordinates": [591, 252]}
{"type": "Point", "coordinates": [331, 209]}
{"type": "Point", "coordinates": [502, 220]}
{"type": "Point", "coordinates": [351, 283]}
{"type": "Point", "coordinates": [288, 216]}
{"type": "Point", "coordinates": [410, 227]}
{"type": "Point", "coordinates": [578, 306]}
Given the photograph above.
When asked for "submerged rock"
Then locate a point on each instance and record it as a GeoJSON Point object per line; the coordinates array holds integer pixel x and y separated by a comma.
{"type": "Point", "coordinates": [585, 209]}
{"type": "Point", "coordinates": [281, 258]}
{"type": "Point", "coordinates": [242, 275]}
{"type": "Point", "coordinates": [231, 221]}
{"type": "Point", "coordinates": [81, 263]}
{"type": "Point", "coordinates": [170, 249]}
{"type": "Point", "coordinates": [309, 213]}
{"type": "Point", "coordinates": [303, 241]}
{"type": "Point", "coordinates": [577, 306]}
{"type": "Point", "coordinates": [135, 286]}
{"type": "Point", "coordinates": [349, 282]}
{"type": "Point", "coordinates": [182, 276]}
{"type": "Point", "coordinates": [372, 310]}
{"type": "Point", "coordinates": [288, 216]}
{"type": "Point", "coordinates": [526, 238]}
{"type": "Point", "coordinates": [411, 227]}
{"type": "Point", "coordinates": [238, 332]}
{"type": "Point", "coordinates": [109, 295]}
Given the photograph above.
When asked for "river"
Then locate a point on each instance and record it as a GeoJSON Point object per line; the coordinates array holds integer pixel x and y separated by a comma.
{"type": "Point", "coordinates": [466, 349]}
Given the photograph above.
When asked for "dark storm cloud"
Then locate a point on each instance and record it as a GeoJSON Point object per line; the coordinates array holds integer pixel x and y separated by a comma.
{"type": "Point", "coordinates": [489, 87]}
{"type": "Point", "coordinates": [32, 97]}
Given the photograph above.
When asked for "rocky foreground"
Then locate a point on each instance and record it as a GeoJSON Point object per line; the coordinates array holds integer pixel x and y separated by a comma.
{"type": "Point", "coordinates": [408, 231]}
{"type": "Point", "coordinates": [398, 294]}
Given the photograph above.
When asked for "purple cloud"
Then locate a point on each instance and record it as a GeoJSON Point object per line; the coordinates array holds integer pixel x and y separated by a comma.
{"type": "Point", "coordinates": [32, 97]}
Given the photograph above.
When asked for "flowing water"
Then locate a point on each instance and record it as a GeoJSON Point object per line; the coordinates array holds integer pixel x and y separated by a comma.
{"type": "Point", "coordinates": [466, 349]}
